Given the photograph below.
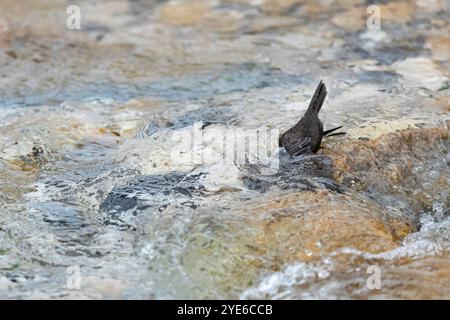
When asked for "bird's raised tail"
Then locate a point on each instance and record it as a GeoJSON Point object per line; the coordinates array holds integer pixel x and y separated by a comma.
{"type": "Point", "coordinates": [317, 99]}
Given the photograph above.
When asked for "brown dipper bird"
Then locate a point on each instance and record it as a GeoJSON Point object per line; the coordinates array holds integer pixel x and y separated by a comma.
{"type": "Point", "coordinates": [307, 134]}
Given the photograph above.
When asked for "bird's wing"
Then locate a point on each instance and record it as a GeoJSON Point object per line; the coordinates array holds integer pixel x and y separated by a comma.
{"type": "Point", "coordinates": [318, 98]}
{"type": "Point", "coordinates": [299, 147]}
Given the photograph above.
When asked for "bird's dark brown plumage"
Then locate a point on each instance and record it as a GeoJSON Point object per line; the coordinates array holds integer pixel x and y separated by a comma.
{"type": "Point", "coordinates": [307, 134]}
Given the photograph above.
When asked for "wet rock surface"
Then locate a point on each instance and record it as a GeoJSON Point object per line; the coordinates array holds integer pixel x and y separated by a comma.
{"type": "Point", "coordinates": [89, 121]}
{"type": "Point", "coordinates": [401, 164]}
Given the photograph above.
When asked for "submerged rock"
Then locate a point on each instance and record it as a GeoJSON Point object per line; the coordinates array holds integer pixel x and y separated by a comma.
{"type": "Point", "coordinates": [305, 173]}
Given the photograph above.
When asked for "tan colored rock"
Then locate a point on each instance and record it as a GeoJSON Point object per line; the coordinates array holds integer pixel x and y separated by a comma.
{"type": "Point", "coordinates": [387, 162]}
{"type": "Point", "coordinates": [265, 23]}
{"type": "Point", "coordinates": [351, 20]}
{"type": "Point", "coordinates": [300, 221]}
{"type": "Point", "coordinates": [400, 12]}
{"type": "Point", "coordinates": [276, 7]}
{"type": "Point", "coordinates": [440, 47]}
{"type": "Point", "coordinates": [4, 25]}
{"type": "Point", "coordinates": [441, 101]}
{"type": "Point", "coordinates": [361, 155]}
{"type": "Point", "coordinates": [183, 13]}
{"type": "Point", "coordinates": [315, 8]}
{"type": "Point", "coordinates": [199, 13]}
{"type": "Point", "coordinates": [431, 6]}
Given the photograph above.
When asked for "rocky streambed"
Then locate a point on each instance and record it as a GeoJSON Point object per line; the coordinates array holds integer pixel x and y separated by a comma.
{"type": "Point", "coordinates": [97, 202]}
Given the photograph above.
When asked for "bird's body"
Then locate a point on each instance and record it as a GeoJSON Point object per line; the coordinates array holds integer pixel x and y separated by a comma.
{"type": "Point", "coordinates": [306, 135]}
{"type": "Point", "coordinates": [309, 126]}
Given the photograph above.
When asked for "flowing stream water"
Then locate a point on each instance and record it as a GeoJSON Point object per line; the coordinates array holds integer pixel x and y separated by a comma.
{"type": "Point", "coordinates": [97, 202]}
